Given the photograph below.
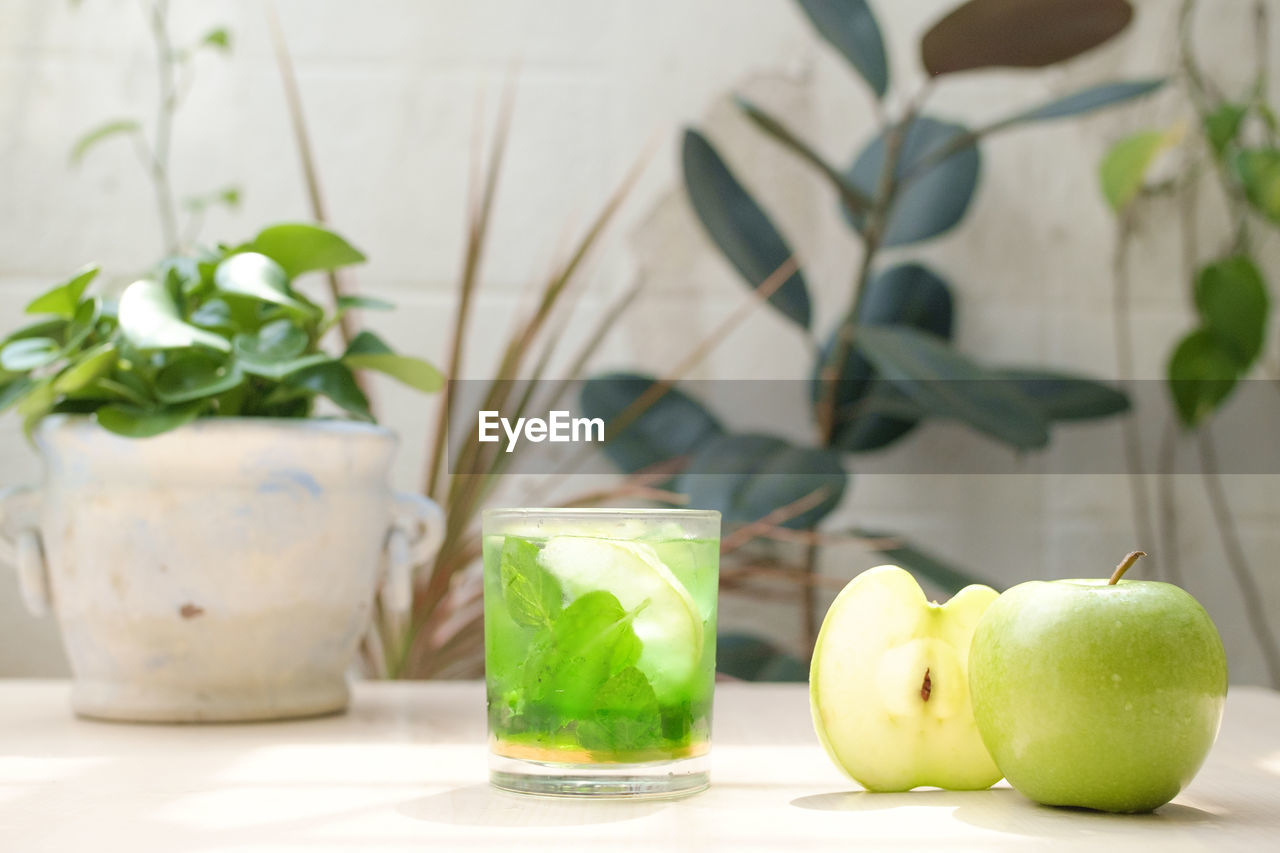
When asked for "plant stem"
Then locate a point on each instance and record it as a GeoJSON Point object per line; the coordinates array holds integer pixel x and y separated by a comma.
{"type": "Point", "coordinates": [838, 356]}
{"type": "Point", "coordinates": [1202, 95]}
{"type": "Point", "coordinates": [484, 183]}
{"type": "Point", "coordinates": [874, 225]}
{"type": "Point", "coordinates": [809, 596]}
{"type": "Point", "coordinates": [311, 177]}
{"type": "Point", "coordinates": [166, 206]}
{"type": "Point", "coordinates": [1124, 362]}
{"type": "Point", "coordinates": [1254, 606]}
{"type": "Point", "coordinates": [1168, 505]}
{"type": "Point", "coordinates": [1129, 559]}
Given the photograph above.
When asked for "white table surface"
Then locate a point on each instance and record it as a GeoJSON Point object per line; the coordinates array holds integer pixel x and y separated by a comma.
{"type": "Point", "coordinates": [405, 770]}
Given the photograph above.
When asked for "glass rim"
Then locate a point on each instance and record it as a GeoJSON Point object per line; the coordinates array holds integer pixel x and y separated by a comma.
{"type": "Point", "coordinates": [596, 512]}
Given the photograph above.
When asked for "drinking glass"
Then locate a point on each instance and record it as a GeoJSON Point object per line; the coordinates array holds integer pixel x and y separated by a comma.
{"type": "Point", "coordinates": [600, 636]}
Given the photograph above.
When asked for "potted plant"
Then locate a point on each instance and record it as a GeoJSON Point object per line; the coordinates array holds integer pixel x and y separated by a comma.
{"type": "Point", "coordinates": [212, 549]}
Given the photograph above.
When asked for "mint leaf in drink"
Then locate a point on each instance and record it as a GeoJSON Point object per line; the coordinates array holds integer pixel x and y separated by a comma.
{"type": "Point", "coordinates": [533, 594]}
{"type": "Point", "coordinates": [588, 643]}
{"type": "Point", "coordinates": [627, 716]}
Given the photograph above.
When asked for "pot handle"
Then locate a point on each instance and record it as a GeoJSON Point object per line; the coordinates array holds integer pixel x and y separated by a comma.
{"type": "Point", "coordinates": [417, 529]}
{"type": "Point", "coordinates": [21, 548]}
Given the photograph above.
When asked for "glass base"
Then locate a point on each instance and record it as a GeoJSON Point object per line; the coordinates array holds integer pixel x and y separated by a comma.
{"type": "Point", "coordinates": [650, 780]}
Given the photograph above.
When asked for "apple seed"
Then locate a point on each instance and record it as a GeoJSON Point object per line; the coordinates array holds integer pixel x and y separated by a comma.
{"type": "Point", "coordinates": [927, 687]}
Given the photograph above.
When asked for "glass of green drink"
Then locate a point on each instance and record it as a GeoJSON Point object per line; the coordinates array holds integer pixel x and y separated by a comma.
{"type": "Point", "coordinates": [600, 649]}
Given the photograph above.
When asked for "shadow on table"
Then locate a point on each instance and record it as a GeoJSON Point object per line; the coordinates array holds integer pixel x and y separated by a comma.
{"type": "Point", "coordinates": [1005, 810]}
{"type": "Point", "coordinates": [483, 805]}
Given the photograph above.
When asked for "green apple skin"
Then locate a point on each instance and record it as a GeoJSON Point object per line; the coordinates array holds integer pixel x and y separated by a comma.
{"type": "Point", "coordinates": [878, 640]}
{"type": "Point", "coordinates": [1099, 696]}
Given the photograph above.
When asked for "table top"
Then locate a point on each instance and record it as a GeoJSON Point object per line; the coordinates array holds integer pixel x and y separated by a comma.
{"type": "Point", "coordinates": [405, 769]}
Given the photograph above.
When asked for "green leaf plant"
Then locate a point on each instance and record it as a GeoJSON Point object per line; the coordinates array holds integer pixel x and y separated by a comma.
{"type": "Point", "coordinates": [223, 333]}
{"type": "Point", "coordinates": [1227, 144]}
{"type": "Point", "coordinates": [888, 364]}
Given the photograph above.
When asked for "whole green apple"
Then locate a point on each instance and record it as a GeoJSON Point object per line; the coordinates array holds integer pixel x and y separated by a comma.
{"type": "Point", "coordinates": [889, 689]}
{"type": "Point", "coordinates": [1104, 694]}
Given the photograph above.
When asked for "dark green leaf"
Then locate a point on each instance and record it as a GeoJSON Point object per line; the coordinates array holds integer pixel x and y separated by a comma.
{"type": "Point", "coordinates": [195, 377]}
{"type": "Point", "coordinates": [29, 353]}
{"type": "Point", "coordinates": [367, 303]}
{"type": "Point", "coordinates": [933, 201]}
{"type": "Point", "coordinates": [745, 477]}
{"type": "Point", "coordinates": [369, 352]}
{"type": "Point", "coordinates": [947, 385]}
{"type": "Point", "coordinates": [1086, 101]}
{"type": "Point", "coordinates": [335, 381]}
{"type": "Point", "coordinates": [279, 370]}
{"type": "Point", "coordinates": [134, 422]}
{"type": "Point", "coordinates": [852, 196]}
{"type": "Point", "coordinates": [904, 295]}
{"type": "Point", "coordinates": [939, 572]}
{"type": "Point", "coordinates": [1063, 397]}
{"type": "Point", "coordinates": [65, 298]}
{"type": "Point", "coordinates": [114, 389]}
{"type": "Point", "coordinates": [38, 401]}
{"type": "Point", "coordinates": [1202, 375]}
{"type": "Point", "coordinates": [88, 367]}
{"type": "Point", "coordinates": [140, 388]}
{"type": "Point", "coordinates": [740, 228]}
{"type": "Point", "coordinates": [676, 425]}
{"type": "Point", "coordinates": [367, 343]}
{"type": "Point", "coordinates": [149, 319]}
{"type": "Point", "coordinates": [214, 314]}
{"type": "Point", "coordinates": [411, 371]}
{"type": "Point", "coordinates": [1222, 126]}
{"type": "Point", "coordinates": [1125, 166]}
{"type": "Point", "coordinates": [1259, 171]}
{"type": "Point", "coordinates": [533, 595]}
{"type": "Point", "coordinates": [14, 390]}
{"type": "Point", "coordinates": [101, 132]}
{"type": "Point", "coordinates": [82, 325]}
{"type": "Point", "coordinates": [851, 28]}
{"type": "Point", "coordinates": [301, 248]}
{"type": "Point", "coordinates": [752, 658]}
{"type": "Point", "coordinates": [788, 475]}
{"type": "Point", "coordinates": [1232, 299]}
{"type": "Point", "coordinates": [1019, 33]}
{"type": "Point", "coordinates": [279, 340]}
{"type": "Point", "coordinates": [180, 273]}
{"type": "Point", "coordinates": [55, 329]}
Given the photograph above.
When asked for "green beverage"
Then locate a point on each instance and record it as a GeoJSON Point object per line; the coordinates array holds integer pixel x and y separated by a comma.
{"type": "Point", "coordinates": [600, 649]}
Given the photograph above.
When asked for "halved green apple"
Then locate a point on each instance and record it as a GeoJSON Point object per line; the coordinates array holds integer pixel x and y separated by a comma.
{"type": "Point", "coordinates": [889, 685]}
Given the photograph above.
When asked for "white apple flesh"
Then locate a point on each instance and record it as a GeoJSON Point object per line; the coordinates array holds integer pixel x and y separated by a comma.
{"type": "Point", "coordinates": [889, 686]}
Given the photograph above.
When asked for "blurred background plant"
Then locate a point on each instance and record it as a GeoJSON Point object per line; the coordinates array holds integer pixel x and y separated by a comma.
{"type": "Point", "coordinates": [175, 66]}
{"type": "Point", "coordinates": [1223, 155]}
{"type": "Point", "coordinates": [898, 315]}
{"type": "Point", "coordinates": [888, 364]}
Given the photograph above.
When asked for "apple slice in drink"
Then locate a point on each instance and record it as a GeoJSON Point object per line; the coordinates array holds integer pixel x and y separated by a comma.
{"type": "Point", "coordinates": [889, 685]}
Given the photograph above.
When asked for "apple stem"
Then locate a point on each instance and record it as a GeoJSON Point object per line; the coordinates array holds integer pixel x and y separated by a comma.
{"type": "Point", "coordinates": [1129, 560]}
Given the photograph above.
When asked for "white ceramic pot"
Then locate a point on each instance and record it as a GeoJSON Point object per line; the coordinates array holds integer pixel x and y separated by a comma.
{"type": "Point", "coordinates": [226, 570]}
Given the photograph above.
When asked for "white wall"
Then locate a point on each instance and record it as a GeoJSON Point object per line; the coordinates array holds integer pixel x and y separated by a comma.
{"type": "Point", "coordinates": [391, 87]}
